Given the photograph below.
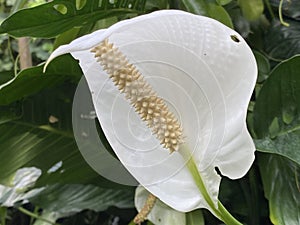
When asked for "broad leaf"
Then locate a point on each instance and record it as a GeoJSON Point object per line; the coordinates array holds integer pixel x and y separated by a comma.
{"type": "Point", "coordinates": [17, 191]}
{"type": "Point", "coordinates": [32, 80]}
{"type": "Point", "coordinates": [196, 6]}
{"type": "Point", "coordinates": [282, 42]}
{"type": "Point", "coordinates": [219, 13]}
{"type": "Point", "coordinates": [42, 137]}
{"type": "Point", "coordinates": [55, 17]}
{"type": "Point", "coordinates": [6, 76]}
{"type": "Point", "coordinates": [61, 200]}
{"type": "Point", "coordinates": [281, 179]}
{"type": "Point", "coordinates": [286, 145]}
{"type": "Point", "coordinates": [72, 198]}
{"type": "Point", "coordinates": [277, 111]}
{"type": "Point", "coordinates": [212, 10]}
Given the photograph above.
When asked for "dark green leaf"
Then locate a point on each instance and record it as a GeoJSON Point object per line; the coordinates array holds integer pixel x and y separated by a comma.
{"type": "Point", "coordinates": [72, 198]}
{"type": "Point", "coordinates": [6, 76]}
{"type": "Point", "coordinates": [282, 42]}
{"type": "Point", "coordinates": [156, 4]}
{"type": "Point", "coordinates": [194, 218]}
{"type": "Point", "coordinates": [66, 37]}
{"type": "Point", "coordinates": [198, 7]}
{"type": "Point", "coordinates": [263, 66]}
{"type": "Point", "coordinates": [42, 137]}
{"type": "Point", "coordinates": [209, 9]}
{"type": "Point", "coordinates": [32, 80]}
{"type": "Point", "coordinates": [241, 24]}
{"type": "Point", "coordinates": [277, 111]}
{"type": "Point", "coordinates": [286, 145]}
{"type": "Point", "coordinates": [58, 16]}
{"type": "Point", "coordinates": [279, 100]}
{"type": "Point", "coordinates": [219, 13]}
{"type": "Point", "coordinates": [281, 185]}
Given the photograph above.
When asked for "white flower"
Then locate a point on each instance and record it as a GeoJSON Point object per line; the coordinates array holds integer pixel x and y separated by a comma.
{"type": "Point", "coordinates": [205, 73]}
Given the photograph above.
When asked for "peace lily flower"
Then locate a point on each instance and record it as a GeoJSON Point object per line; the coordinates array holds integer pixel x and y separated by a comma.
{"type": "Point", "coordinates": [172, 82]}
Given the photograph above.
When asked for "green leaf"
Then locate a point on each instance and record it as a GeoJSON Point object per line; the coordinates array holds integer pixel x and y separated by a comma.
{"type": "Point", "coordinates": [209, 9]}
{"type": "Point", "coordinates": [278, 98]}
{"type": "Point", "coordinates": [58, 16]}
{"type": "Point", "coordinates": [241, 24]}
{"type": "Point", "coordinates": [6, 76]}
{"type": "Point", "coordinates": [252, 10]}
{"type": "Point", "coordinates": [42, 137]}
{"type": "Point", "coordinates": [61, 200]}
{"type": "Point", "coordinates": [281, 185]}
{"type": "Point", "coordinates": [17, 190]}
{"type": "Point", "coordinates": [32, 80]}
{"type": "Point", "coordinates": [277, 111]}
{"type": "Point", "coordinates": [72, 198]}
{"type": "Point", "coordinates": [156, 5]}
{"type": "Point", "coordinates": [194, 218]}
{"type": "Point", "coordinates": [263, 66]}
{"type": "Point", "coordinates": [66, 37]}
{"type": "Point", "coordinates": [219, 13]}
{"type": "Point", "coordinates": [285, 145]}
{"type": "Point", "coordinates": [46, 218]}
{"type": "Point", "coordinates": [198, 7]}
{"type": "Point", "coordinates": [282, 42]}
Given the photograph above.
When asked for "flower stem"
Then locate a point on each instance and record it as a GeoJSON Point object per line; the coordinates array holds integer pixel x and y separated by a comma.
{"type": "Point", "coordinates": [33, 215]}
{"type": "Point", "coordinates": [221, 212]}
{"type": "Point", "coordinates": [3, 212]}
{"type": "Point", "coordinates": [269, 7]}
{"type": "Point", "coordinates": [280, 14]}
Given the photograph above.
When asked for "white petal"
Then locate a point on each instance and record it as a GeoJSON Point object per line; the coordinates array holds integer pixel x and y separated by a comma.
{"type": "Point", "coordinates": [160, 214]}
{"type": "Point", "coordinates": [206, 78]}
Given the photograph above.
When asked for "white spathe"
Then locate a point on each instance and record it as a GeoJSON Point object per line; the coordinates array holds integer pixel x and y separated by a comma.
{"type": "Point", "coordinates": [205, 76]}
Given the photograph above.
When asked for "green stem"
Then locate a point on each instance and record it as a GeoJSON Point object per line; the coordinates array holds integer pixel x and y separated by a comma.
{"type": "Point", "coordinates": [3, 212]}
{"type": "Point", "coordinates": [221, 211]}
{"type": "Point", "coordinates": [31, 214]}
{"type": "Point", "coordinates": [227, 218]}
{"type": "Point", "coordinates": [267, 2]}
{"type": "Point", "coordinates": [280, 14]}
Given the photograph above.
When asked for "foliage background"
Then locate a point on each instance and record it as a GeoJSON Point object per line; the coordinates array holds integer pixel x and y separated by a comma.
{"type": "Point", "coordinates": [43, 177]}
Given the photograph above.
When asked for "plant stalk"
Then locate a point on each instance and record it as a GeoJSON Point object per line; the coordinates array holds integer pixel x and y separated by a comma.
{"type": "Point", "coordinates": [33, 215]}
{"type": "Point", "coordinates": [220, 212]}
{"type": "Point", "coordinates": [280, 15]}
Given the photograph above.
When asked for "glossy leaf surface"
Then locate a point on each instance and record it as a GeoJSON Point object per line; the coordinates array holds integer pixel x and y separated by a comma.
{"type": "Point", "coordinates": [281, 178]}
{"type": "Point", "coordinates": [55, 17]}
{"type": "Point", "coordinates": [277, 111]}
{"type": "Point", "coordinates": [33, 80]}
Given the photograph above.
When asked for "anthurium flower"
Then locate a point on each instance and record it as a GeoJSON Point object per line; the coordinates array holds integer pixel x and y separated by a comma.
{"type": "Point", "coordinates": [172, 82]}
